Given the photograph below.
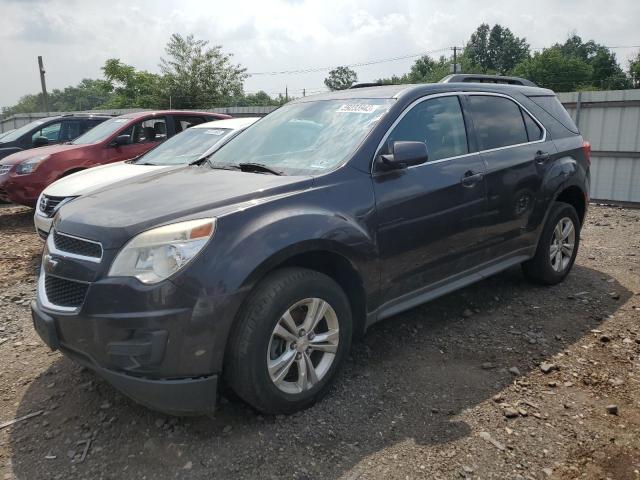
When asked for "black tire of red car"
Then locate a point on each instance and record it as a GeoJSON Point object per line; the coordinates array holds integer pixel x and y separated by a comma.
{"type": "Point", "coordinates": [246, 369]}
{"type": "Point", "coordinates": [540, 268]}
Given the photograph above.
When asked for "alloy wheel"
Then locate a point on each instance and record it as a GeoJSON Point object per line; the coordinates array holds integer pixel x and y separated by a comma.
{"type": "Point", "coordinates": [303, 345]}
{"type": "Point", "coordinates": [562, 244]}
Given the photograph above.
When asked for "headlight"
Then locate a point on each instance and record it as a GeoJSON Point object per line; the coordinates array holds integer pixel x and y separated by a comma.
{"type": "Point", "coordinates": [29, 166]}
{"type": "Point", "coordinates": [157, 254]}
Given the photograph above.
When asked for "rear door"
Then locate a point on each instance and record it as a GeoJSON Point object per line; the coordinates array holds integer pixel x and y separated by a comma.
{"type": "Point", "coordinates": [516, 150]}
{"type": "Point", "coordinates": [431, 217]}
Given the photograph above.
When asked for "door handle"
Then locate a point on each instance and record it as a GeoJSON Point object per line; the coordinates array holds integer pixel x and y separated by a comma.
{"type": "Point", "coordinates": [470, 178]}
{"type": "Point", "coordinates": [541, 157]}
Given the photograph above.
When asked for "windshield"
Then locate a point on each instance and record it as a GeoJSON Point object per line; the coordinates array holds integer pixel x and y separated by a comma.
{"type": "Point", "coordinates": [18, 132]}
{"type": "Point", "coordinates": [304, 138]}
{"type": "Point", "coordinates": [102, 131]}
{"type": "Point", "coordinates": [186, 147]}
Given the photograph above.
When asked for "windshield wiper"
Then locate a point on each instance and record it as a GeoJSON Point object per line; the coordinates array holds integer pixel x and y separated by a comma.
{"type": "Point", "coordinates": [258, 167]}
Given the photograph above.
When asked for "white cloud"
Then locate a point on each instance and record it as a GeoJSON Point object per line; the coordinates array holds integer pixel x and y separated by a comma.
{"type": "Point", "coordinates": [76, 37]}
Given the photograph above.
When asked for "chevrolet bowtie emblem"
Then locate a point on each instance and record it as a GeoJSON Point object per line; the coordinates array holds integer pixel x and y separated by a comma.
{"type": "Point", "coordinates": [50, 263]}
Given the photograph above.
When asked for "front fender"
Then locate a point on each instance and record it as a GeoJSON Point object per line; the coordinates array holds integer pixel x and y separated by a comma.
{"type": "Point", "coordinates": [261, 242]}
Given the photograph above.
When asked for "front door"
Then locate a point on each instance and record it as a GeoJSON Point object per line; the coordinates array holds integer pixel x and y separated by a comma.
{"type": "Point", "coordinates": [143, 136]}
{"type": "Point", "coordinates": [431, 217]}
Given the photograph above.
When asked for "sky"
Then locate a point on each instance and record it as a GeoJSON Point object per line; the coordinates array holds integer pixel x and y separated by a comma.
{"type": "Point", "coordinates": [75, 37]}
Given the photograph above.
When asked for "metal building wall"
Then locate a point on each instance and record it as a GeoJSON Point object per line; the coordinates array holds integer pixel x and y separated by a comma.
{"type": "Point", "coordinates": [610, 120]}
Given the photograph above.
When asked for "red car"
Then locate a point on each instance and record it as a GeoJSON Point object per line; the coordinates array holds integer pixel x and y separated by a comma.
{"type": "Point", "coordinates": [24, 175]}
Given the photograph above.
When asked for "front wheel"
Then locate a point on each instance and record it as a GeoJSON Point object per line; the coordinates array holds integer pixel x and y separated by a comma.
{"type": "Point", "coordinates": [289, 341]}
{"type": "Point", "coordinates": [557, 247]}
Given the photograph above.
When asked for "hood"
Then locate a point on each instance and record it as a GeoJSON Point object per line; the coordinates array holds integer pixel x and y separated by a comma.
{"type": "Point", "coordinates": [115, 214]}
{"type": "Point", "coordinates": [85, 181]}
{"type": "Point", "coordinates": [23, 155]}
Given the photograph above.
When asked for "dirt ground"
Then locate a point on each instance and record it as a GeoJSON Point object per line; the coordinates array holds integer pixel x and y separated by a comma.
{"type": "Point", "coordinates": [502, 380]}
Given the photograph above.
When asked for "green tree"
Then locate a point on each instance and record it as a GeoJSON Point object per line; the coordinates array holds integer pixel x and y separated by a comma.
{"type": "Point", "coordinates": [341, 78]}
{"type": "Point", "coordinates": [552, 69]}
{"type": "Point", "coordinates": [427, 70]}
{"type": "Point", "coordinates": [607, 74]}
{"type": "Point", "coordinates": [634, 70]}
{"type": "Point", "coordinates": [494, 50]}
{"type": "Point", "coordinates": [424, 70]}
{"type": "Point", "coordinates": [198, 75]}
{"type": "Point", "coordinates": [132, 88]}
{"type": "Point", "coordinates": [258, 99]}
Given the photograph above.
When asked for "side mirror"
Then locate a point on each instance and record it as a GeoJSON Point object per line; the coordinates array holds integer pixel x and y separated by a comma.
{"type": "Point", "coordinates": [40, 141]}
{"type": "Point", "coordinates": [403, 155]}
{"type": "Point", "coordinates": [120, 140]}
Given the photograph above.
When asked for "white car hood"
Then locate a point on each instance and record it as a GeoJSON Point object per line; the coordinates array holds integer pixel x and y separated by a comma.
{"type": "Point", "coordinates": [83, 182]}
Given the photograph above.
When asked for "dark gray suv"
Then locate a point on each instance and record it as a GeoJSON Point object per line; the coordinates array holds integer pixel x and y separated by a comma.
{"type": "Point", "coordinates": [256, 268]}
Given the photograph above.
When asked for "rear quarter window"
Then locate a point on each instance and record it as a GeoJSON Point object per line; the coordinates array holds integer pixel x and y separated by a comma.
{"type": "Point", "coordinates": [553, 107]}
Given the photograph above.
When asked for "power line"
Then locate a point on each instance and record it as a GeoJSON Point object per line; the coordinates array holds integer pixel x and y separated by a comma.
{"type": "Point", "coordinates": [358, 64]}
{"type": "Point", "coordinates": [394, 59]}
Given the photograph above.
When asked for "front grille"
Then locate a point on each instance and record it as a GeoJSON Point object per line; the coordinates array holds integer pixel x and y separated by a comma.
{"type": "Point", "coordinates": [64, 293]}
{"type": "Point", "coordinates": [4, 169]}
{"type": "Point", "coordinates": [48, 204]}
{"type": "Point", "coordinates": [77, 246]}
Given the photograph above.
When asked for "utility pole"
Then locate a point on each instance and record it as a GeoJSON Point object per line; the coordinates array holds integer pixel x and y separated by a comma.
{"type": "Point", "coordinates": [286, 93]}
{"type": "Point", "coordinates": [45, 101]}
{"type": "Point", "coordinates": [455, 60]}
{"type": "Point", "coordinates": [304, 92]}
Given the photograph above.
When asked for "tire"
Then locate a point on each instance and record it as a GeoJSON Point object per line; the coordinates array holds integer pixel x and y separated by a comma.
{"type": "Point", "coordinates": [255, 352]}
{"type": "Point", "coordinates": [546, 268]}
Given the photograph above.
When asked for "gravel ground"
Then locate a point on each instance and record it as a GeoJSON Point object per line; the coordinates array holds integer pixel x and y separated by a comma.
{"type": "Point", "coordinates": [502, 380]}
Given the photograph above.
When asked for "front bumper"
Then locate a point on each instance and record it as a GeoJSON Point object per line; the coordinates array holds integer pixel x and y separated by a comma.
{"type": "Point", "coordinates": [175, 396]}
{"type": "Point", "coordinates": [42, 224]}
{"type": "Point", "coordinates": [20, 189]}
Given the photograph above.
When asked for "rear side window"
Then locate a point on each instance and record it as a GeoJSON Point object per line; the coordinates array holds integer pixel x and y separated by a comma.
{"type": "Point", "coordinates": [534, 132]}
{"type": "Point", "coordinates": [439, 123]}
{"type": "Point", "coordinates": [184, 122]}
{"type": "Point", "coordinates": [498, 122]}
{"type": "Point", "coordinates": [71, 129]}
{"type": "Point", "coordinates": [553, 107]}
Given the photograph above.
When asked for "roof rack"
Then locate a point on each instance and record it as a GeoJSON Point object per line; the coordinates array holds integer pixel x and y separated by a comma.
{"type": "Point", "coordinates": [480, 78]}
{"type": "Point", "coordinates": [365, 85]}
{"type": "Point", "coordinates": [88, 114]}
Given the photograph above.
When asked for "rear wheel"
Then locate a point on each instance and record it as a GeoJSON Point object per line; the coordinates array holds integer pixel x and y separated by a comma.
{"type": "Point", "coordinates": [557, 247]}
{"type": "Point", "coordinates": [289, 341]}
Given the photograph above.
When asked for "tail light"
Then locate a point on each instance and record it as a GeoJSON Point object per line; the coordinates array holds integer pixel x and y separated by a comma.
{"type": "Point", "coordinates": [586, 148]}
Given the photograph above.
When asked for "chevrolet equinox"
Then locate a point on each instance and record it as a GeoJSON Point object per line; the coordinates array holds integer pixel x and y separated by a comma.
{"type": "Point", "coordinates": [256, 269]}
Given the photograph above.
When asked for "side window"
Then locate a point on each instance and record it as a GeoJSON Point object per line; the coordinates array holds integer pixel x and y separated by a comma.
{"type": "Point", "coordinates": [184, 122]}
{"type": "Point", "coordinates": [498, 121]}
{"type": "Point", "coordinates": [70, 130]}
{"type": "Point", "coordinates": [89, 124]}
{"type": "Point", "coordinates": [51, 132]}
{"type": "Point", "coordinates": [150, 130]}
{"type": "Point", "coordinates": [534, 132]}
{"type": "Point", "coordinates": [439, 123]}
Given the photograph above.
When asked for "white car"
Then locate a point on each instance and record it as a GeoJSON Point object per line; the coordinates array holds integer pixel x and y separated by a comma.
{"type": "Point", "coordinates": [182, 149]}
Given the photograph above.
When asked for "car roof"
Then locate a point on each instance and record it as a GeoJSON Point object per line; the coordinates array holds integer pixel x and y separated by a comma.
{"type": "Point", "coordinates": [153, 113]}
{"type": "Point", "coordinates": [72, 116]}
{"type": "Point", "coordinates": [398, 91]}
{"type": "Point", "coordinates": [233, 123]}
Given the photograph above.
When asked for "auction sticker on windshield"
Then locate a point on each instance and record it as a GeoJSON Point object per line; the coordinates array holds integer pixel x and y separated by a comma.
{"type": "Point", "coordinates": [214, 132]}
{"type": "Point", "coordinates": [357, 108]}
